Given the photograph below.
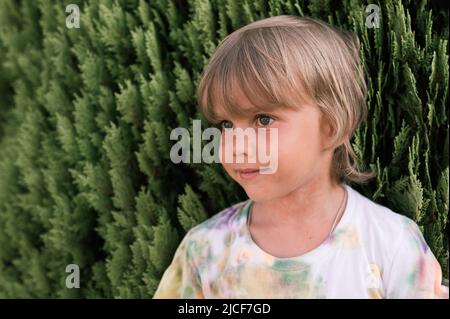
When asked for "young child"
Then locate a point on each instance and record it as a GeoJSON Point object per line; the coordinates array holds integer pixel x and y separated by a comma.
{"type": "Point", "coordinates": [303, 232]}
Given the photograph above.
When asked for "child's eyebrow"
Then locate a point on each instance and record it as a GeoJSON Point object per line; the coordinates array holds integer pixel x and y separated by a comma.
{"type": "Point", "coordinates": [250, 112]}
{"type": "Point", "coordinates": [255, 111]}
{"type": "Point", "coordinates": [219, 116]}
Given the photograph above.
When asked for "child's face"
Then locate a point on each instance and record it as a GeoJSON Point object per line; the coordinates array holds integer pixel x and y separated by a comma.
{"type": "Point", "coordinates": [302, 136]}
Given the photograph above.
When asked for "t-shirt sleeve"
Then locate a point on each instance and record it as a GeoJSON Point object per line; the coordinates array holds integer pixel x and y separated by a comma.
{"type": "Point", "coordinates": [180, 279]}
{"type": "Point", "coordinates": [414, 271]}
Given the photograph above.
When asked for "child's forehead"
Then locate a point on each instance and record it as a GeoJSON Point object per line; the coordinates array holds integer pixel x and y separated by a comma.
{"type": "Point", "coordinates": [235, 104]}
{"type": "Point", "coordinates": [244, 111]}
{"type": "Point", "coordinates": [239, 106]}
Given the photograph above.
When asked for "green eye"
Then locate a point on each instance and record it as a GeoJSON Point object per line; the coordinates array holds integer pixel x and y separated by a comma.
{"type": "Point", "coordinates": [264, 120]}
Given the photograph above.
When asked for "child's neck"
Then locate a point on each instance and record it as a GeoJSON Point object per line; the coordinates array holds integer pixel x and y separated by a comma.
{"type": "Point", "coordinates": [314, 202]}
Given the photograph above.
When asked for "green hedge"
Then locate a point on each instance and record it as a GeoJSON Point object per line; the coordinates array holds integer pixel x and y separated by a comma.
{"type": "Point", "coordinates": [86, 113]}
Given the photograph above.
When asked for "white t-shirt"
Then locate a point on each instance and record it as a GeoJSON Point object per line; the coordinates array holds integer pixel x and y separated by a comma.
{"type": "Point", "coordinates": [372, 253]}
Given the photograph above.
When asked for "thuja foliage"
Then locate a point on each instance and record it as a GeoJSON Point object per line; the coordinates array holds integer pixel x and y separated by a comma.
{"type": "Point", "coordinates": [86, 115]}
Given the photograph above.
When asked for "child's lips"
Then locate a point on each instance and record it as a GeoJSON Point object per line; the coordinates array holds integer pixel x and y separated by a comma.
{"type": "Point", "coordinates": [248, 173]}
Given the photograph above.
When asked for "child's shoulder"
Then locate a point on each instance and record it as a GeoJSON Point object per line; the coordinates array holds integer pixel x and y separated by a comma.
{"type": "Point", "coordinates": [382, 225]}
{"type": "Point", "coordinates": [378, 215]}
{"type": "Point", "coordinates": [225, 221]}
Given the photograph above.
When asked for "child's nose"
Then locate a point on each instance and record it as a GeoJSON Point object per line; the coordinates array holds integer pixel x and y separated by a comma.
{"type": "Point", "coordinates": [244, 145]}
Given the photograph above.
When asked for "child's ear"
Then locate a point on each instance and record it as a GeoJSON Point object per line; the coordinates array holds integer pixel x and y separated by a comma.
{"type": "Point", "coordinates": [328, 131]}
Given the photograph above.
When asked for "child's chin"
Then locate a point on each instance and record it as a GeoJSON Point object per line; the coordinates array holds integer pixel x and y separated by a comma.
{"type": "Point", "coordinates": [258, 196]}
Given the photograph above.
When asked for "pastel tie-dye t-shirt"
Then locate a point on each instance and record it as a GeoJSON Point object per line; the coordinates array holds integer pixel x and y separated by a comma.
{"type": "Point", "coordinates": [373, 252]}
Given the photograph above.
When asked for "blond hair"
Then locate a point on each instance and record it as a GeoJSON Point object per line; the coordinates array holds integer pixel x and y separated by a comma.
{"type": "Point", "coordinates": [284, 61]}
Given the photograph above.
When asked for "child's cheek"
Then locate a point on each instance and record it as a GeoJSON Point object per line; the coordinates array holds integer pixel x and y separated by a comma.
{"type": "Point", "coordinates": [226, 163]}
{"type": "Point", "coordinates": [226, 153]}
{"type": "Point", "coordinates": [227, 167]}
